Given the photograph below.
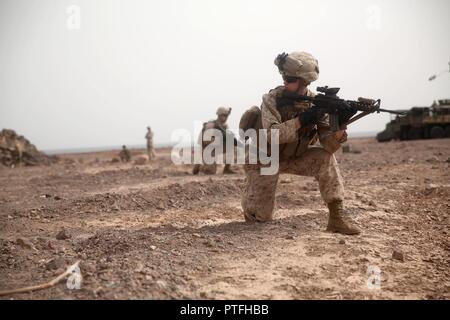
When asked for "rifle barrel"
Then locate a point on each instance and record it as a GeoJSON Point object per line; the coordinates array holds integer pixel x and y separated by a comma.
{"type": "Point", "coordinates": [392, 111]}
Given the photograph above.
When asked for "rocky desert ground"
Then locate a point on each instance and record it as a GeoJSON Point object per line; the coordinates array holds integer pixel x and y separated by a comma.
{"type": "Point", "coordinates": [155, 231]}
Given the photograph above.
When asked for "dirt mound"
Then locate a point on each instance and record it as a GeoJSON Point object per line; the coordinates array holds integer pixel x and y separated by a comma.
{"type": "Point", "coordinates": [172, 196]}
{"type": "Point", "coordinates": [15, 149]}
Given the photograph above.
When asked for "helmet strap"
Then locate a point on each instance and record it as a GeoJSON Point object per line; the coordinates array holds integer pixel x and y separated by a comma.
{"type": "Point", "coordinates": [302, 84]}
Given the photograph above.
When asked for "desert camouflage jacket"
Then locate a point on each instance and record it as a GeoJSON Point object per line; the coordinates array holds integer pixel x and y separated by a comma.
{"type": "Point", "coordinates": [211, 124]}
{"type": "Point", "coordinates": [293, 142]}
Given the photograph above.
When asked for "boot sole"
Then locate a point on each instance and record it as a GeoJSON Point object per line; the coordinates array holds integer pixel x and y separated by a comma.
{"type": "Point", "coordinates": [349, 233]}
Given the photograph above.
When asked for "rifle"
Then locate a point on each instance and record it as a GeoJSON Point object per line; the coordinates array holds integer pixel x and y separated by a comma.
{"type": "Point", "coordinates": [341, 112]}
{"type": "Point", "coordinates": [228, 134]}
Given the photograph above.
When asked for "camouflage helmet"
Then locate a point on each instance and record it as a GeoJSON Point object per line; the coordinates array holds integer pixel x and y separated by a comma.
{"type": "Point", "coordinates": [298, 64]}
{"type": "Point", "coordinates": [223, 111]}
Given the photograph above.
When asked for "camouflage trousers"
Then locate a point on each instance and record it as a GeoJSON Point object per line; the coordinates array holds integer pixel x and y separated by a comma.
{"type": "Point", "coordinates": [151, 152]}
{"type": "Point", "coordinates": [207, 168]}
{"type": "Point", "coordinates": [258, 199]}
{"type": "Point", "coordinates": [211, 169]}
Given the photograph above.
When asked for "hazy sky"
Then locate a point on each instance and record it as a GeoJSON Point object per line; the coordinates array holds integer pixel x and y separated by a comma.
{"type": "Point", "coordinates": [169, 63]}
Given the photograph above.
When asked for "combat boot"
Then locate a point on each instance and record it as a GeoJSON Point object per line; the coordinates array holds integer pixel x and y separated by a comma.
{"type": "Point", "coordinates": [339, 221]}
{"type": "Point", "coordinates": [196, 169]}
{"type": "Point", "coordinates": [227, 169]}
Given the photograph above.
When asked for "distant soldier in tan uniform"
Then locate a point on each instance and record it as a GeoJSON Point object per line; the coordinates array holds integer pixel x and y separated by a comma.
{"type": "Point", "coordinates": [150, 149]}
{"type": "Point", "coordinates": [220, 124]}
{"type": "Point", "coordinates": [125, 155]}
{"type": "Point", "coordinates": [299, 128]}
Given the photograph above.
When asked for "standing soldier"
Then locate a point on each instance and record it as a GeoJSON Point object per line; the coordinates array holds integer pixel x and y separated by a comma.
{"type": "Point", "coordinates": [298, 127]}
{"type": "Point", "coordinates": [150, 149]}
{"type": "Point", "coordinates": [125, 155]}
{"type": "Point", "coordinates": [220, 124]}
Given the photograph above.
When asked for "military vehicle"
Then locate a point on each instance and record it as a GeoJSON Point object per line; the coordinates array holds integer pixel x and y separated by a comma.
{"type": "Point", "coordinates": [419, 123]}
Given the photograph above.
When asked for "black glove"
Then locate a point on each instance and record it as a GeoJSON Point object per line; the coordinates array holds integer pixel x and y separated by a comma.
{"type": "Point", "coordinates": [308, 117]}
{"type": "Point", "coordinates": [345, 113]}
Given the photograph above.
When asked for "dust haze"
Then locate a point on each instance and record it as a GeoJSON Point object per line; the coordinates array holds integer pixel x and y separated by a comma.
{"type": "Point", "coordinates": [170, 63]}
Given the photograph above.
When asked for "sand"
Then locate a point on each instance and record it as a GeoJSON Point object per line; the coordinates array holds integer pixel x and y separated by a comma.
{"type": "Point", "coordinates": [156, 231]}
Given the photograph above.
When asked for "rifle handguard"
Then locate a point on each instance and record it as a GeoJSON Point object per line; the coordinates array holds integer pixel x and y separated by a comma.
{"type": "Point", "coordinates": [367, 101]}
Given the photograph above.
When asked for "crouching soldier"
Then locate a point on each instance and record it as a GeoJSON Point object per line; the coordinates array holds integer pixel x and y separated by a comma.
{"type": "Point", "coordinates": [125, 155]}
{"type": "Point", "coordinates": [298, 128]}
{"type": "Point", "coordinates": [219, 124]}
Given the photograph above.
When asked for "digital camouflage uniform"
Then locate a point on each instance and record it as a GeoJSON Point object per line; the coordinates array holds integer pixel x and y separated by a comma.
{"type": "Point", "coordinates": [298, 153]}
{"type": "Point", "coordinates": [150, 148]}
{"type": "Point", "coordinates": [125, 155]}
{"type": "Point", "coordinates": [297, 156]}
{"type": "Point", "coordinates": [213, 124]}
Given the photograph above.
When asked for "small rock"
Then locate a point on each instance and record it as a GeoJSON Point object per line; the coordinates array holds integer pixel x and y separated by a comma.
{"type": "Point", "coordinates": [148, 277]}
{"type": "Point", "coordinates": [342, 241]}
{"type": "Point", "coordinates": [141, 159]}
{"type": "Point", "coordinates": [371, 203]}
{"type": "Point", "coordinates": [61, 250]}
{"type": "Point", "coordinates": [87, 267]}
{"type": "Point", "coordinates": [448, 160]}
{"type": "Point", "coordinates": [24, 243]}
{"type": "Point", "coordinates": [84, 236]}
{"type": "Point", "coordinates": [55, 264]}
{"type": "Point", "coordinates": [57, 198]}
{"type": "Point", "coordinates": [63, 235]}
{"type": "Point", "coordinates": [82, 256]}
{"type": "Point", "coordinates": [153, 248]}
{"type": "Point", "coordinates": [290, 237]}
{"type": "Point", "coordinates": [208, 243]}
{"type": "Point", "coordinates": [398, 255]}
{"type": "Point", "coordinates": [49, 246]}
{"type": "Point", "coordinates": [102, 266]}
{"type": "Point", "coordinates": [433, 160]}
{"type": "Point", "coordinates": [161, 284]}
{"type": "Point", "coordinates": [139, 267]}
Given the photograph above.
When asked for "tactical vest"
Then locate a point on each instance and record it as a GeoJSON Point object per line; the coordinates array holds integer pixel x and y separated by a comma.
{"type": "Point", "coordinates": [307, 136]}
{"type": "Point", "coordinates": [216, 125]}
